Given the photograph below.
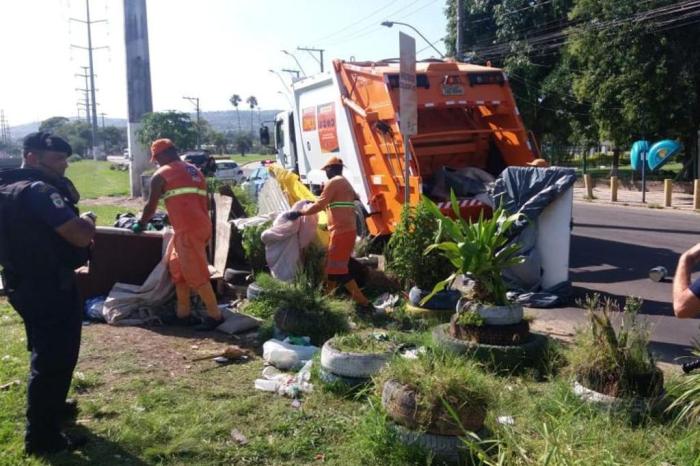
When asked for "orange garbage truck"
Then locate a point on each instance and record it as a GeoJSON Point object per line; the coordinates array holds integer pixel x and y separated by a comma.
{"type": "Point", "coordinates": [467, 118]}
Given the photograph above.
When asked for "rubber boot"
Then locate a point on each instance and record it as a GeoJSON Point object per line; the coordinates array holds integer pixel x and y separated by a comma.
{"type": "Point", "coordinates": [184, 308]}
{"type": "Point", "coordinates": [357, 295]}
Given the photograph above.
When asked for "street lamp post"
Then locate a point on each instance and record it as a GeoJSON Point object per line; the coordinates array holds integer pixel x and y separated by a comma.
{"type": "Point", "coordinates": [295, 59]}
{"type": "Point", "coordinates": [294, 72]}
{"type": "Point", "coordinates": [391, 23]}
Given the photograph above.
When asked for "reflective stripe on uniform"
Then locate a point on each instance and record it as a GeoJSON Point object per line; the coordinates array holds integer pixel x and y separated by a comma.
{"type": "Point", "coordinates": [342, 205]}
{"type": "Point", "coordinates": [180, 191]}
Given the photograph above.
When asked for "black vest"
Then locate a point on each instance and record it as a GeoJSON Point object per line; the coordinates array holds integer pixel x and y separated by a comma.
{"type": "Point", "coordinates": [29, 248]}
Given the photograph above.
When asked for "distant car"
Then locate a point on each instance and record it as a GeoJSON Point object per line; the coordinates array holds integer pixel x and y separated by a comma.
{"type": "Point", "coordinates": [228, 170]}
{"type": "Point", "coordinates": [196, 158]}
{"type": "Point", "coordinates": [255, 181]}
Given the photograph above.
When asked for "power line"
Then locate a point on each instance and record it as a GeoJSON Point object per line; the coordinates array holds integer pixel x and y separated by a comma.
{"type": "Point", "coordinates": [354, 23]}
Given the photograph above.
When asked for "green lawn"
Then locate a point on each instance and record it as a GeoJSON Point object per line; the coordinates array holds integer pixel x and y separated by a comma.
{"type": "Point", "coordinates": [107, 213]}
{"type": "Point", "coordinates": [95, 179]}
{"type": "Point", "coordinates": [143, 401]}
{"type": "Point", "coordinates": [247, 158]}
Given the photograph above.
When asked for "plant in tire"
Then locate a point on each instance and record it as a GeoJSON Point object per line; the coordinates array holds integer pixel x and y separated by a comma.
{"type": "Point", "coordinates": [481, 250]}
{"type": "Point", "coordinates": [614, 362]}
{"type": "Point", "coordinates": [254, 248]}
{"type": "Point", "coordinates": [438, 393]}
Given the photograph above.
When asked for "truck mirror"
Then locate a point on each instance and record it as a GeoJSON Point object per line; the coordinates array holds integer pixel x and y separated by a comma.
{"type": "Point", "coordinates": [264, 136]}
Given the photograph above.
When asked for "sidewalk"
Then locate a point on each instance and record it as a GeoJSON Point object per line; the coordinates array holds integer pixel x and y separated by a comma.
{"type": "Point", "coordinates": [627, 198]}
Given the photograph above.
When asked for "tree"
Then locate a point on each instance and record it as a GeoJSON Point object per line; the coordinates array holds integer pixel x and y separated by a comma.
{"type": "Point", "coordinates": [243, 143]}
{"type": "Point", "coordinates": [52, 124]}
{"type": "Point", "coordinates": [235, 100]}
{"type": "Point", "coordinates": [113, 138]}
{"type": "Point", "coordinates": [642, 80]}
{"type": "Point", "coordinates": [219, 141]}
{"type": "Point", "coordinates": [176, 126]}
{"type": "Point", "coordinates": [252, 101]}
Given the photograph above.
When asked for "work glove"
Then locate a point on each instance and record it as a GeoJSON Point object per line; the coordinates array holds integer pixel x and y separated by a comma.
{"type": "Point", "coordinates": [137, 227]}
{"type": "Point", "coordinates": [292, 215]}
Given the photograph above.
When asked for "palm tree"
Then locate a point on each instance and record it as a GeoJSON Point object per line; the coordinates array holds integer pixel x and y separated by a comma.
{"type": "Point", "coordinates": [253, 102]}
{"type": "Point", "coordinates": [235, 100]}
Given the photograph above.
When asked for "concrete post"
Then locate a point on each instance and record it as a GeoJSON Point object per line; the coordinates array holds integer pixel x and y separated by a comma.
{"type": "Point", "coordinates": [668, 192]}
{"type": "Point", "coordinates": [138, 78]}
{"type": "Point", "coordinates": [588, 182]}
{"type": "Point", "coordinates": [696, 195]}
{"type": "Point", "coordinates": [613, 189]}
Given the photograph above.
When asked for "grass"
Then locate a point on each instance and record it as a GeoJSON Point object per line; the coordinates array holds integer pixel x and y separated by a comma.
{"type": "Point", "coordinates": [247, 159]}
{"type": "Point", "coordinates": [106, 213]}
{"type": "Point", "coordinates": [94, 179]}
{"type": "Point", "coordinates": [138, 410]}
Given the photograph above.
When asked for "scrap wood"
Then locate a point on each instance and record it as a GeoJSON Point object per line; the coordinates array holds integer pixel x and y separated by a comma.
{"type": "Point", "coordinates": [230, 352]}
{"type": "Point", "coordinates": [10, 384]}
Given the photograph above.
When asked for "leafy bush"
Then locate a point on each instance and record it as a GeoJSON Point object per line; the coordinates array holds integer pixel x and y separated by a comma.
{"type": "Point", "coordinates": [438, 378]}
{"type": "Point", "coordinates": [374, 342]}
{"type": "Point", "coordinates": [686, 391]}
{"type": "Point", "coordinates": [480, 249]}
{"type": "Point", "coordinates": [254, 248]}
{"type": "Point", "coordinates": [406, 251]}
{"type": "Point", "coordinates": [610, 361]}
{"type": "Point", "coordinates": [74, 158]}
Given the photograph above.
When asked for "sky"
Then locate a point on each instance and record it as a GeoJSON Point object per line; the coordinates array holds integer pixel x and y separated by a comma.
{"type": "Point", "coordinates": [209, 49]}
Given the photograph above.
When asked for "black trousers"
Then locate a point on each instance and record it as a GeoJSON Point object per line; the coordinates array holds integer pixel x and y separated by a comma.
{"type": "Point", "coordinates": [53, 322]}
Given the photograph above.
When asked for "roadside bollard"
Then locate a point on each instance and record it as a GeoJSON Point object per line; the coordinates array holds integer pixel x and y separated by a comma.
{"type": "Point", "coordinates": [588, 182]}
{"type": "Point", "coordinates": [613, 189]}
{"type": "Point", "coordinates": [696, 195]}
{"type": "Point", "coordinates": [668, 192]}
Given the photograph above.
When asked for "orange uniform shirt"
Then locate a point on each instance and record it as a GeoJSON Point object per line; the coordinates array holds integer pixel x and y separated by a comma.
{"type": "Point", "coordinates": [185, 196]}
{"type": "Point", "coordinates": [338, 197]}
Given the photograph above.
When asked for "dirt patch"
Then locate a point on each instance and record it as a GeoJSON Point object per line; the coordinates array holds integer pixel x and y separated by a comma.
{"type": "Point", "coordinates": [163, 352]}
{"type": "Point", "coordinates": [121, 201]}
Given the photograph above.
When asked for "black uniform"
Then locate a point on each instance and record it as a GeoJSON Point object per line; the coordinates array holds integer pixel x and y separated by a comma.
{"type": "Point", "coordinates": [38, 270]}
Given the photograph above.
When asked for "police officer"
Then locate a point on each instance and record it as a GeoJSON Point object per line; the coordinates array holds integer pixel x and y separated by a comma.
{"type": "Point", "coordinates": [42, 241]}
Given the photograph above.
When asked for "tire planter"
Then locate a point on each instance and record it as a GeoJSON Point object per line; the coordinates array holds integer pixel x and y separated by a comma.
{"type": "Point", "coordinates": [416, 312]}
{"type": "Point", "coordinates": [350, 382]}
{"type": "Point", "coordinates": [445, 299]}
{"type": "Point", "coordinates": [502, 357]}
{"type": "Point", "coordinates": [636, 405]}
{"type": "Point", "coordinates": [401, 404]}
{"type": "Point", "coordinates": [253, 291]}
{"type": "Point", "coordinates": [447, 447]}
{"type": "Point", "coordinates": [494, 315]}
{"type": "Point", "coordinates": [501, 335]}
{"type": "Point", "coordinates": [291, 321]}
{"type": "Point", "coordinates": [353, 365]}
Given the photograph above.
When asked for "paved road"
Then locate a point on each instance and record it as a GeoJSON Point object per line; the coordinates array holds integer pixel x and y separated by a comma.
{"type": "Point", "coordinates": [612, 250]}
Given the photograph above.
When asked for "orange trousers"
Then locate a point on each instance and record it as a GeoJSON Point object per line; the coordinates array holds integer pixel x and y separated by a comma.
{"type": "Point", "coordinates": [339, 251]}
{"type": "Point", "coordinates": [187, 257]}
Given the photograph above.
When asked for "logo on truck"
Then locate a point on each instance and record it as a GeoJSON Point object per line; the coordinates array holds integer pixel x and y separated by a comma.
{"type": "Point", "coordinates": [308, 119]}
{"type": "Point", "coordinates": [327, 133]}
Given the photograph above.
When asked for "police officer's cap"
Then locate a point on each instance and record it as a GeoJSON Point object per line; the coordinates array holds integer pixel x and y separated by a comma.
{"type": "Point", "coordinates": [43, 141]}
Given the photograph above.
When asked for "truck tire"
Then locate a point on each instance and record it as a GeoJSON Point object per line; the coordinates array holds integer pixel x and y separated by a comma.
{"type": "Point", "coordinates": [445, 299]}
{"type": "Point", "coordinates": [331, 378]}
{"type": "Point", "coordinates": [353, 365]}
{"type": "Point", "coordinates": [494, 315]}
{"type": "Point", "coordinates": [502, 357]}
{"type": "Point", "coordinates": [253, 291]}
{"type": "Point", "coordinates": [449, 448]}
{"type": "Point", "coordinates": [401, 404]}
{"type": "Point", "coordinates": [416, 312]}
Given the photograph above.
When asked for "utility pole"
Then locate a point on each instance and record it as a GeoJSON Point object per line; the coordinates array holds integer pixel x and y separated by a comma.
{"type": "Point", "coordinates": [138, 78]}
{"type": "Point", "coordinates": [104, 141]}
{"type": "Point", "coordinates": [311, 50]}
{"type": "Point", "coordinates": [4, 128]}
{"type": "Point", "coordinates": [86, 93]}
{"type": "Point", "coordinates": [90, 48]}
{"type": "Point", "coordinates": [460, 30]}
{"type": "Point", "coordinates": [292, 72]}
{"type": "Point", "coordinates": [195, 101]}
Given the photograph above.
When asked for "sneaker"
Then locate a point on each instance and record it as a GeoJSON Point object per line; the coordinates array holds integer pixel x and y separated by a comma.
{"type": "Point", "coordinates": [70, 410]}
{"type": "Point", "coordinates": [208, 324]}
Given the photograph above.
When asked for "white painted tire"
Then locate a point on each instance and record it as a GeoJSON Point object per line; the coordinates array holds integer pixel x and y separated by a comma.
{"type": "Point", "coordinates": [611, 403]}
{"type": "Point", "coordinates": [446, 447]}
{"type": "Point", "coordinates": [354, 365]}
{"type": "Point", "coordinates": [496, 315]}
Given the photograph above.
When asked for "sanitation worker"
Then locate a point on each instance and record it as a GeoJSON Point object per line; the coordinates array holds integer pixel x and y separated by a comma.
{"type": "Point", "coordinates": [42, 241]}
{"type": "Point", "coordinates": [686, 295]}
{"type": "Point", "coordinates": [183, 188]}
{"type": "Point", "coordinates": [338, 197]}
